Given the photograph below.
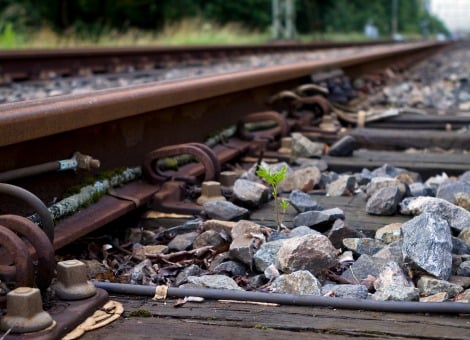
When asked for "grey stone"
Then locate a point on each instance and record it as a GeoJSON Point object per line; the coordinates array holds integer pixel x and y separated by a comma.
{"type": "Point", "coordinates": [392, 252]}
{"type": "Point", "coordinates": [303, 202]}
{"type": "Point", "coordinates": [191, 270]}
{"type": "Point", "coordinates": [257, 281]}
{"type": "Point", "coordinates": [250, 194]}
{"type": "Point", "coordinates": [448, 191]}
{"type": "Point", "coordinates": [364, 245]}
{"type": "Point", "coordinates": [384, 201]}
{"type": "Point", "coordinates": [436, 181]}
{"type": "Point", "coordinates": [267, 254]}
{"type": "Point", "coordinates": [393, 285]}
{"type": "Point", "coordinates": [340, 230]}
{"type": "Point", "coordinates": [345, 291]}
{"type": "Point", "coordinates": [326, 178]}
{"type": "Point", "coordinates": [218, 259]}
{"type": "Point", "coordinates": [459, 247]}
{"type": "Point", "coordinates": [244, 241]}
{"type": "Point", "coordinates": [183, 241]}
{"type": "Point", "coordinates": [396, 293]}
{"type": "Point", "coordinates": [271, 272]}
{"type": "Point", "coordinates": [344, 147]}
{"type": "Point", "coordinates": [301, 231]}
{"type": "Point", "coordinates": [388, 170]}
{"type": "Point", "coordinates": [389, 233]}
{"type": "Point", "coordinates": [318, 219]}
{"type": "Point", "coordinates": [365, 265]}
{"type": "Point", "coordinates": [464, 269]}
{"type": "Point", "coordinates": [214, 281]}
{"type": "Point", "coordinates": [457, 261]}
{"type": "Point", "coordinates": [142, 273]}
{"type": "Point", "coordinates": [304, 179]}
{"type": "Point", "coordinates": [378, 183]}
{"type": "Point", "coordinates": [209, 238]}
{"type": "Point", "coordinates": [304, 147]}
{"type": "Point", "coordinates": [301, 282]}
{"type": "Point", "coordinates": [314, 253]}
{"type": "Point", "coordinates": [427, 243]}
{"type": "Point", "coordinates": [310, 162]}
{"type": "Point", "coordinates": [281, 235]}
{"type": "Point", "coordinates": [385, 170]}
{"type": "Point", "coordinates": [465, 176]}
{"type": "Point", "coordinates": [429, 285]}
{"type": "Point", "coordinates": [290, 233]}
{"type": "Point", "coordinates": [457, 217]}
{"type": "Point", "coordinates": [225, 210]}
{"type": "Point", "coordinates": [343, 186]}
{"type": "Point", "coordinates": [233, 268]}
{"type": "Point", "coordinates": [420, 189]}
{"type": "Point", "coordinates": [363, 177]}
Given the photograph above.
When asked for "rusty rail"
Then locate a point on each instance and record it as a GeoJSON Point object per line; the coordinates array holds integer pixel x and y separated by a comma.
{"type": "Point", "coordinates": [37, 63]}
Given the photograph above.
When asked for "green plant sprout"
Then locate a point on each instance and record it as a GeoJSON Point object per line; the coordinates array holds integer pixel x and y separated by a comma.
{"type": "Point", "coordinates": [273, 178]}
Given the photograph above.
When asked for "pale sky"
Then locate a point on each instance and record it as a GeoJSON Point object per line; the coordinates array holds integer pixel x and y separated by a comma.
{"type": "Point", "coordinates": [454, 13]}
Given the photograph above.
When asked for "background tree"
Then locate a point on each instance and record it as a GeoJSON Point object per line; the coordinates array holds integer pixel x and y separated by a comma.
{"type": "Point", "coordinates": [95, 16]}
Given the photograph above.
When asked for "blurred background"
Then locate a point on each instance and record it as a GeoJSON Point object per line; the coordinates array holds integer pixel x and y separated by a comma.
{"type": "Point", "coordinates": [71, 23]}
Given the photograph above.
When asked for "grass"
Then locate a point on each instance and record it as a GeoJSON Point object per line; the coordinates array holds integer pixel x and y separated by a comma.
{"type": "Point", "coordinates": [186, 32]}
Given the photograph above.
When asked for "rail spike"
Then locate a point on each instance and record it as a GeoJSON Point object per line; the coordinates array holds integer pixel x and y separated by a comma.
{"type": "Point", "coordinates": [201, 152]}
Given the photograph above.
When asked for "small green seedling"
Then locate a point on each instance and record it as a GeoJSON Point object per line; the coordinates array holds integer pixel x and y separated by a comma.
{"type": "Point", "coordinates": [273, 178]}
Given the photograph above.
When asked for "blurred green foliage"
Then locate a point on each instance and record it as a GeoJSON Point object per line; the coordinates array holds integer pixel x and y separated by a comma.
{"type": "Point", "coordinates": [91, 18]}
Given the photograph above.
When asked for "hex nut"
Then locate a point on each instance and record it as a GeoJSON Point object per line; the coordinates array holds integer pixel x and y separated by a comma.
{"type": "Point", "coordinates": [210, 191]}
{"type": "Point", "coordinates": [228, 178]}
{"type": "Point", "coordinates": [24, 312]}
{"type": "Point", "coordinates": [72, 282]}
{"type": "Point", "coordinates": [286, 145]}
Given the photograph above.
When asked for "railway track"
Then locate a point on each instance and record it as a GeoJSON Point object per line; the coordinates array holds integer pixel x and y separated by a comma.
{"type": "Point", "coordinates": [208, 118]}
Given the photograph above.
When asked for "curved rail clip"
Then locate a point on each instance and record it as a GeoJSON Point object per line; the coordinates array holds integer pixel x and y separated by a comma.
{"type": "Point", "coordinates": [204, 154]}
{"type": "Point", "coordinates": [280, 130]}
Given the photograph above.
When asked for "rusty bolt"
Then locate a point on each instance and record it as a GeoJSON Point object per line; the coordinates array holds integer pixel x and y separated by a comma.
{"type": "Point", "coordinates": [24, 312]}
{"type": "Point", "coordinates": [86, 162]}
{"type": "Point", "coordinates": [72, 283]}
{"type": "Point", "coordinates": [286, 145]}
{"type": "Point", "coordinates": [210, 191]}
{"type": "Point", "coordinates": [228, 178]}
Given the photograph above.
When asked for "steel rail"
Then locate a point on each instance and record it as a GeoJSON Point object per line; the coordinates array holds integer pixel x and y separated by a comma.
{"type": "Point", "coordinates": [33, 119]}
{"type": "Point", "coordinates": [31, 63]}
